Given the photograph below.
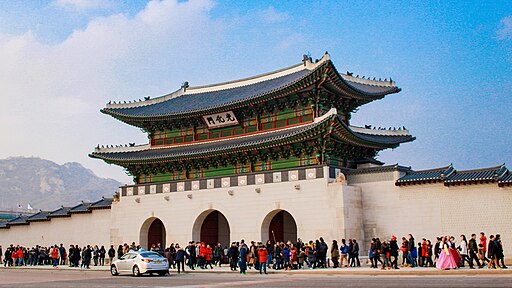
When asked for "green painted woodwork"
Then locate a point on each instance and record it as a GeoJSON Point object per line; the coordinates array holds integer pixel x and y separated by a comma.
{"type": "Point", "coordinates": [250, 129]}
{"type": "Point", "coordinates": [269, 121]}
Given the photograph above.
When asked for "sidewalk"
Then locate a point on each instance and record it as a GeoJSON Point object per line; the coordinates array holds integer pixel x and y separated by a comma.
{"type": "Point", "coordinates": [326, 271]}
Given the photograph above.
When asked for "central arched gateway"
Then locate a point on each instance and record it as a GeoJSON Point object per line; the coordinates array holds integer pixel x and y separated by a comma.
{"type": "Point", "coordinates": [212, 227]}
{"type": "Point", "coordinates": [279, 225]}
{"type": "Point", "coordinates": [152, 232]}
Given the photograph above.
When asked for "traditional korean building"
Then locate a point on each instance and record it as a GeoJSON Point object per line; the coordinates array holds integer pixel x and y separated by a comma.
{"type": "Point", "coordinates": [236, 139]}
{"type": "Point", "coordinates": [272, 157]}
{"type": "Point", "coordinates": [294, 117]}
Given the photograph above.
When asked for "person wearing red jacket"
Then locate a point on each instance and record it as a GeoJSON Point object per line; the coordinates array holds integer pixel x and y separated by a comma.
{"type": "Point", "coordinates": [202, 255]}
{"type": "Point", "coordinates": [208, 256]}
{"type": "Point", "coordinates": [262, 257]}
{"type": "Point", "coordinates": [55, 255]}
{"type": "Point", "coordinates": [21, 257]}
{"type": "Point", "coordinates": [424, 252]}
{"type": "Point", "coordinates": [14, 256]}
{"type": "Point", "coordinates": [483, 241]}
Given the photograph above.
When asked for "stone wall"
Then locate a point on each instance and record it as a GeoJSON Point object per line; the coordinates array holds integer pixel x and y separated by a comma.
{"type": "Point", "coordinates": [82, 229]}
{"type": "Point", "coordinates": [430, 210]}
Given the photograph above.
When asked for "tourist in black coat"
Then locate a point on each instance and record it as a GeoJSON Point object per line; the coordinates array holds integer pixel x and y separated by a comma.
{"type": "Point", "coordinates": [233, 256]}
{"type": "Point", "coordinates": [498, 252]}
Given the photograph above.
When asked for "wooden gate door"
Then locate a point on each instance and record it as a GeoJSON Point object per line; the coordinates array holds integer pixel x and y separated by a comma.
{"type": "Point", "coordinates": [210, 229]}
{"type": "Point", "coordinates": [277, 226]}
{"type": "Point", "coordinates": [155, 233]}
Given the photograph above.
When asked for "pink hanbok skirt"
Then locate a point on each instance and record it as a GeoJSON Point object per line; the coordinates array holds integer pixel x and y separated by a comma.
{"type": "Point", "coordinates": [446, 261]}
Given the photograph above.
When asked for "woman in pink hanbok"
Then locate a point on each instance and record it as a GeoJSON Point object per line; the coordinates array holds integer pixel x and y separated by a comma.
{"type": "Point", "coordinates": [446, 260]}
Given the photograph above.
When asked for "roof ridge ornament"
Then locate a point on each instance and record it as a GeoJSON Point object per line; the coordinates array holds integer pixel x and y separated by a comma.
{"type": "Point", "coordinates": [184, 86]}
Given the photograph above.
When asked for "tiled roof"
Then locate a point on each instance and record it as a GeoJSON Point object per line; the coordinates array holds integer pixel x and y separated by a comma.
{"type": "Point", "coordinates": [385, 139]}
{"type": "Point", "coordinates": [41, 216]}
{"type": "Point", "coordinates": [61, 212]}
{"type": "Point", "coordinates": [104, 203]}
{"type": "Point", "coordinates": [21, 220]}
{"type": "Point", "coordinates": [380, 169]}
{"type": "Point", "coordinates": [431, 175]}
{"type": "Point", "coordinates": [371, 89]}
{"type": "Point", "coordinates": [84, 207]}
{"type": "Point", "coordinates": [190, 100]}
{"type": "Point", "coordinates": [81, 208]}
{"type": "Point", "coordinates": [204, 149]}
{"type": "Point", "coordinates": [450, 176]}
{"type": "Point", "coordinates": [484, 174]}
{"type": "Point", "coordinates": [506, 180]}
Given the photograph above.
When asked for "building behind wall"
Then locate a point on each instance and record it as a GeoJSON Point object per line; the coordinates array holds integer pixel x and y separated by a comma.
{"type": "Point", "coordinates": [274, 157]}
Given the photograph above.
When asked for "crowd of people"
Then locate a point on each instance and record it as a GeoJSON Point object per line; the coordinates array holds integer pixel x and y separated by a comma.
{"type": "Point", "coordinates": [445, 253]}
{"type": "Point", "coordinates": [55, 255]}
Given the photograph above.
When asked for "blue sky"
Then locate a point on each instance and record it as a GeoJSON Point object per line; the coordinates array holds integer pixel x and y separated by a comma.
{"type": "Point", "coordinates": [63, 60]}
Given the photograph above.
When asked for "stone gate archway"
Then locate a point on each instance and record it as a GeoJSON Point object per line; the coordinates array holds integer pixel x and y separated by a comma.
{"type": "Point", "coordinates": [211, 227]}
{"type": "Point", "coordinates": [279, 225]}
{"type": "Point", "coordinates": [152, 232]}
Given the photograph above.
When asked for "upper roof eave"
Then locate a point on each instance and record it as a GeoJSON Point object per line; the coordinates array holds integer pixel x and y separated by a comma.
{"type": "Point", "coordinates": [363, 87]}
{"type": "Point", "coordinates": [354, 84]}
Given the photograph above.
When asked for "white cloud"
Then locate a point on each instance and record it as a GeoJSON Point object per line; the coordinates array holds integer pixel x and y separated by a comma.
{"type": "Point", "coordinates": [51, 93]}
{"type": "Point", "coordinates": [83, 4]}
{"type": "Point", "coordinates": [290, 41]}
{"type": "Point", "coordinates": [505, 31]}
{"type": "Point", "coordinates": [272, 15]}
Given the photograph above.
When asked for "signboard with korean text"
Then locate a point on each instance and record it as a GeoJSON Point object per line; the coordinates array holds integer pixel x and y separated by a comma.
{"type": "Point", "coordinates": [220, 119]}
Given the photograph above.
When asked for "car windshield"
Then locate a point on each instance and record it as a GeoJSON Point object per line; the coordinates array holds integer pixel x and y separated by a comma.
{"type": "Point", "coordinates": [150, 255]}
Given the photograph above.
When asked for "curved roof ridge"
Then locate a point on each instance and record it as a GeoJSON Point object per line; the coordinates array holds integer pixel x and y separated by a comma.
{"type": "Point", "coordinates": [146, 102]}
{"type": "Point", "coordinates": [122, 148]}
{"type": "Point", "coordinates": [368, 81]}
{"type": "Point", "coordinates": [444, 168]}
{"type": "Point", "coordinates": [498, 167]}
{"type": "Point", "coordinates": [369, 131]}
{"type": "Point", "coordinates": [185, 90]}
{"type": "Point", "coordinates": [245, 81]}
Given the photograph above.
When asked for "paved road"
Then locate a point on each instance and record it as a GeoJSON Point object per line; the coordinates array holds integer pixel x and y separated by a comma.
{"type": "Point", "coordinates": [87, 279]}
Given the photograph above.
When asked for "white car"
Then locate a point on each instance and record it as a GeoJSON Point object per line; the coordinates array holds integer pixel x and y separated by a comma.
{"type": "Point", "coordinates": [140, 262]}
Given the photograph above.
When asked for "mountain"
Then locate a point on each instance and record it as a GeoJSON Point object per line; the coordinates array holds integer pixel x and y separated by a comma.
{"type": "Point", "coordinates": [47, 185]}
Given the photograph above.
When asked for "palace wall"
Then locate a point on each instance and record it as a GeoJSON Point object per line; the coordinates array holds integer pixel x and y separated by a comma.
{"type": "Point", "coordinates": [369, 205]}
{"type": "Point", "coordinates": [81, 228]}
{"type": "Point", "coordinates": [318, 208]}
{"type": "Point", "coordinates": [430, 210]}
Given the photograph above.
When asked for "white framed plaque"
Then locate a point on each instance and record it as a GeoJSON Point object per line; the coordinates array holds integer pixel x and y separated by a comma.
{"type": "Point", "coordinates": [223, 119]}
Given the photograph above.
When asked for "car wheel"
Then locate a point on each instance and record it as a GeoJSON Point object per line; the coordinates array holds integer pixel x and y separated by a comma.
{"type": "Point", "coordinates": [162, 273]}
{"type": "Point", "coordinates": [113, 270]}
{"type": "Point", "coordinates": [136, 271]}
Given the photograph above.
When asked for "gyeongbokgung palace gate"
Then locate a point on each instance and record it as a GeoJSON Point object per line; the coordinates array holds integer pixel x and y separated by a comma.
{"type": "Point", "coordinates": [274, 157]}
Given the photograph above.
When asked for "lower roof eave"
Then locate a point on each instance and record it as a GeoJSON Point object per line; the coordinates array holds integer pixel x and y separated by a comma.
{"type": "Point", "coordinates": [257, 141]}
